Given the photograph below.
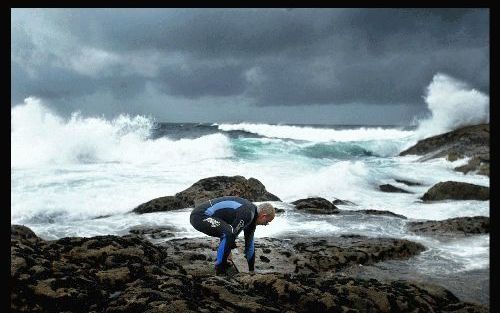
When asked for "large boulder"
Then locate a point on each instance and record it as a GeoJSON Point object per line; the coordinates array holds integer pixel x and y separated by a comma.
{"type": "Point", "coordinates": [452, 226]}
{"type": "Point", "coordinates": [470, 141]}
{"type": "Point", "coordinates": [316, 205]}
{"type": "Point", "coordinates": [219, 186]}
{"type": "Point", "coordinates": [209, 188]}
{"type": "Point", "coordinates": [452, 190]}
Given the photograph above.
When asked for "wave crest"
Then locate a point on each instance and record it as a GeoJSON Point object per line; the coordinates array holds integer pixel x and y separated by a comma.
{"type": "Point", "coordinates": [452, 104]}
{"type": "Point", "coordinates": [316, 134]}
{"type": "Point", "coordinates": [40, 136]}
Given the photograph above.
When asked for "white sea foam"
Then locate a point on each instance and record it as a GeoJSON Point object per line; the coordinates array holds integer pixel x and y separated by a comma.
{"type": "Point", "coordinates": [318, 134]}
{"type": "Point", "coordinates": [41, 137]}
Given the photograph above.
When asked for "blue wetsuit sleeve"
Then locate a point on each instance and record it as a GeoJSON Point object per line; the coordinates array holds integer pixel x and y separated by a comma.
{"type": "Point", "coordinates": [249, 247]}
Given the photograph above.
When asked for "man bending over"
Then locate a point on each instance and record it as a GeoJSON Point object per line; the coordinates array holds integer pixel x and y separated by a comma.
{"type": "Point", "coordinates": [225, 218]}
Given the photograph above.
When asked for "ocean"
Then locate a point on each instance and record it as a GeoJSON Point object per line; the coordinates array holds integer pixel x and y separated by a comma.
{"type": "Point", "coordinates": [81, 176]}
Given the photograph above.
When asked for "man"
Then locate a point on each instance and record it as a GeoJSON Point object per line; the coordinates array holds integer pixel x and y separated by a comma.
{"type": "Point", "coordinates": [226, 217]}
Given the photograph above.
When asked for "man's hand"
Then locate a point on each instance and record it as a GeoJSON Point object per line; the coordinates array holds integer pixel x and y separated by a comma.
{"type": "Point", "coordinates": [220, 270]}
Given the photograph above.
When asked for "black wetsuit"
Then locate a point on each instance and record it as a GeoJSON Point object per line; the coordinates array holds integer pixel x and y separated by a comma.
{"type": "Point", "coordinates": [226, 217]}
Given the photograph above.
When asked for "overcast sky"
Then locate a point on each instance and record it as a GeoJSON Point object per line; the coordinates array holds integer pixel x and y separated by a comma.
{"type": "Point", "coordinates": [326, 66]}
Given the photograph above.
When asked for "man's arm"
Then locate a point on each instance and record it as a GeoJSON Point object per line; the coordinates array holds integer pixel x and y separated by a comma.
{"type": "Point", "coordinates": [249, 246]}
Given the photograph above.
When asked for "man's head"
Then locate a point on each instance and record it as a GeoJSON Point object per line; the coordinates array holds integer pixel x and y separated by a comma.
{"type": "Point", "coordinates": [265, 215]}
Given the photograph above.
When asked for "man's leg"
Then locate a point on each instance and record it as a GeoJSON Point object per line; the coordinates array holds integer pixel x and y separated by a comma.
{"type": "Point", "coordinates": [216, 227]}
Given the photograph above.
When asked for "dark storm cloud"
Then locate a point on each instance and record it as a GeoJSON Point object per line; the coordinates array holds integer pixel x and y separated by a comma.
{"type": "Point", "coordinates": [54, 83]}
{"type": "Point", "coordinates": [207, 33]}
{"type": "Point", "coordinates": [207, 80]}
{"type": "Point", "coordinates": [268, 56]}
{"type": "Point", "coordinates": [50, 83]}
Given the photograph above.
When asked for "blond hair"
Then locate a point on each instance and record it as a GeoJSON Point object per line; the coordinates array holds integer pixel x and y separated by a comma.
{"type": "Point", "coordinates": [267, 209]}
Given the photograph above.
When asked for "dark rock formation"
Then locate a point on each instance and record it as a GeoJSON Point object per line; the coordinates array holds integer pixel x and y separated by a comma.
{"type": "Point", "coordinates": [470, 286]}
{"type": "Point", "coordinates": [294, 255]}
{"type": "Point", "coordinates": [469, 141]}
{"type": "Point", "coordinates": [80, 274]}
{"type": "Point", "coordinates": [154, 232]}
{"type": "Point", "coordinates": [161, 204]}
{"type": "Point", "coordinates": [456, 191]}
{"type": "Point", "coordinates": [209, 188]}
{"type": "Point", "coordinates": [476, 163]}
{"type": "Point", "coordinates": [316, 206]}
{"type": "Point", "coordinates": [343, 202]}
{"type": "Point", "coordinates": [111, 274]}
{"type": "Point", "coordinates": [408, 183]}
{"type": "Point", "coordinates": [380, 212]}
{"type": "Point", "coordinates": [391, 188]}
{"type": "Point", "coordinates": [453, 226]}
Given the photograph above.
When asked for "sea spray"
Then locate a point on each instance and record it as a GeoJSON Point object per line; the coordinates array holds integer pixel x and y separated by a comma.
{"type": "Point", "coordinates": [41, 137]}
{"type": "Point", "coordinates": [453, 104]}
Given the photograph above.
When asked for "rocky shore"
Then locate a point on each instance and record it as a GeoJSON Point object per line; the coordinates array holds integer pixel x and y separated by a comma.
{"type": "Point", "coordinates": [131, 274]}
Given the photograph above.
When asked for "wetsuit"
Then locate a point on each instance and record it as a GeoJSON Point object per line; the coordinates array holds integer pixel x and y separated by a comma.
{"type": "Point", "coordinates": [226, 217]}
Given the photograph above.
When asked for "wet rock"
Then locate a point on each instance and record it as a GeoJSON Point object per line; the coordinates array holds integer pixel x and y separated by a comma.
{"type": "Point", "coordinates": [154, 232]}
{"type": "Point", "coordinates": [391, 188]}
{"type": "Point", "coordinates": [293, 255]}
{"type": "Point", "coordinates": [453, 190]}
{"type": "Point", "coordinates": [209, 188]}
{"type": "Point", "coordinates": [337, 294]}
{"type": "Point", "coordinates": [219, 186]}
{"type": "Point", "coordinates": [342, 202]}
{"type": "Point", "coordinates": [478, 164]}
{"type": "Point", "coordinates": [316, 206]}
{"type": "Point", "coordinates": [16, 265]}
{"type": "Point", "coordinates": [23, 234]}
{"type": "Point", "coordinates": [101, 216]}
{"type": "Point", "coordinates": [114, 278]}
{"type": "Point", "coordinates": [470, 286]}
{"type": "Point", "coordinates": [84, 271]}
{"type": "Point", "coordinates": [454, 226]}
{"type": "Point", "coordinates": [470, 141]}
{"type": "Point", "coordinates": [161, 204]}
{"type": "Point", "coordinates": [380, 212]}
{"type": "Point", "coordinates": [408, 182]}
